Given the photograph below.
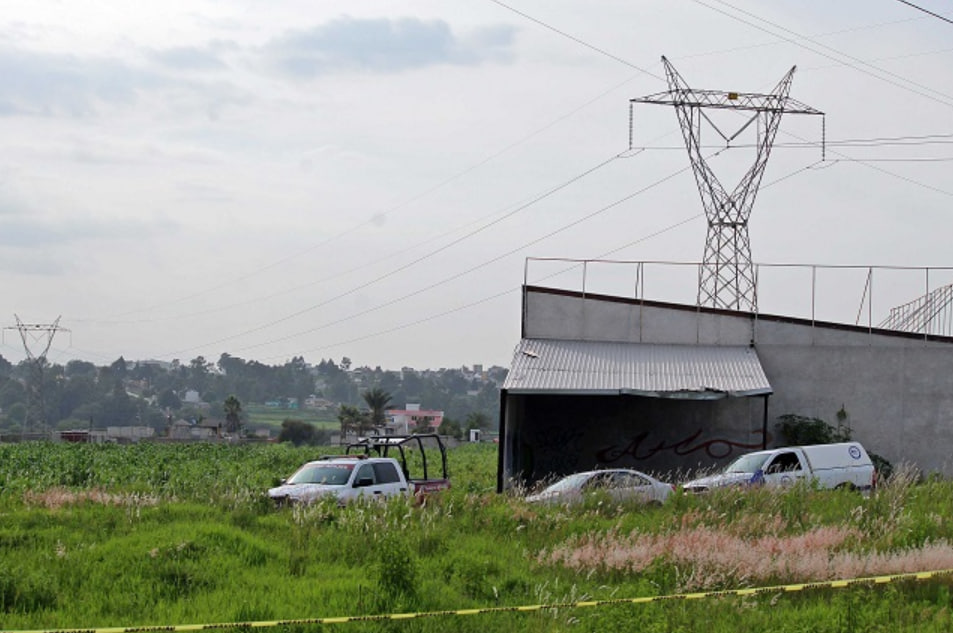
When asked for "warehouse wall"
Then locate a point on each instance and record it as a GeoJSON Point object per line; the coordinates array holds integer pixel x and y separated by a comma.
{"type": "Point", "coordinates": [896, 388]}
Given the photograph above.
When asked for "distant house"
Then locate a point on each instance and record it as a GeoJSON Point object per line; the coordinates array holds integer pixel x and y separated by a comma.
{"type": "Point", "coordinates": [181, 430]}
{"type": "Point", "coordinates": [412, 417]}
{"type": "Point", "coordinates": [204, 430]}
{"type": "Point", "coordinates": [210, 428]}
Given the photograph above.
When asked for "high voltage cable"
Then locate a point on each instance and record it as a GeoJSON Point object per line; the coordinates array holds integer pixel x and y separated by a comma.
{"type": "Point", "coordinates": [882, 141]}
{"type": "Point", "coordinates": [397, 207]}
{"type": "Point", "coordinates": [354, 228]}
{"type": "Point", "coordinates": [577, 40]}
{"type": "Point", "coordinates": [910, 180]}
{"type": "Point", "coordinates": [919, 8]}
{"type": "Point", "coordinates": [945, 96]}
{"type": "Point", "coordinates": [511, 290]}
{"type": "Point", "coordinates": [936, 51]}
{"type": "Point", "coordinates": [775, 43]}
{"type": "Point", "coordinates": [861, 161]}
{"type": "Point", "coordinates": [839, 61]}
{"type": "Point", "coordinates": [402, 250]}
{"type": "Point", "coordinates": [484, 264]}
{"type": "Point", "coordinates": [417, 260]}
{"type": "Point", "coordinates": [407, 202]}
{"type": "Point", "coordinates": [601, 52]}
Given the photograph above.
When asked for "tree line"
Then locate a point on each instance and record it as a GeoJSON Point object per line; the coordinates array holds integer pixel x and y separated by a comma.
{"type": "Point", "coordinates": [39, 395]}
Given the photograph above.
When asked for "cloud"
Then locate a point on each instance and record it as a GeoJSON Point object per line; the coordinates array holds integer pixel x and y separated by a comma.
{"type": "Point", "coordinates": [189, 58]}
{"type": "Point", "coordinates": [48, 84]}
{"type": "Point", "coordinates": [384, 46]}
{"type": "Point", "coordinates": [26, 233]}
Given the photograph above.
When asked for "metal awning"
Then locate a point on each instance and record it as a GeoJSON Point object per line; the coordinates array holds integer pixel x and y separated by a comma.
{"type": "Point", "coordinates": [688, 372]}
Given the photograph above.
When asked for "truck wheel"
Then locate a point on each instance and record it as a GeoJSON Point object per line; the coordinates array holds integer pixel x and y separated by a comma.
{"type": "Point", "coordinates": [846, 486]}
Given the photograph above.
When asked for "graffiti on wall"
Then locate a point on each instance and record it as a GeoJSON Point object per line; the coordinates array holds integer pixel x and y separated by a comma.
{"type": "Point", "coordinates": [642, 447]}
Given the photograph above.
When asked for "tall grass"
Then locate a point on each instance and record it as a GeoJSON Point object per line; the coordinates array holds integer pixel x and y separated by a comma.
{"type": "Point", "coordinates": [96, 536]}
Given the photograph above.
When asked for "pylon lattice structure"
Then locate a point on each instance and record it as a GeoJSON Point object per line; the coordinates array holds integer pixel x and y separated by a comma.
{"type": "Point", "coordinates": [727, 276]}
{"type": "Point", "coordinates": [33, 333]}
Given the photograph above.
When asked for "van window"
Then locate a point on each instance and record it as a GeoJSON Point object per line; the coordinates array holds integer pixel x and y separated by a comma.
{"type": "Point", "coordinates": [784, 463]}
{"type": "Point", "coordinates": [752, 462]}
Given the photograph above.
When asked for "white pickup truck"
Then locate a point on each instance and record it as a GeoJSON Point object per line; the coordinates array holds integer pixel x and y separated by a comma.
{"type": "Point", "coordinates": [344, 477]}
{"type": "Point", "coordinates": [842, 465]}
{"type": "Point", "coordinates": [368, 470]}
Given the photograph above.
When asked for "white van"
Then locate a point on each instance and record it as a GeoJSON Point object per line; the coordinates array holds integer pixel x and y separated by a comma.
{"type": "Point", "coordinates": [843, 465]}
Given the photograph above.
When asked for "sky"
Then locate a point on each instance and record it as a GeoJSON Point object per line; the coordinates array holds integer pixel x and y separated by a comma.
{"type": "Point", "coordinates": [377, 179]}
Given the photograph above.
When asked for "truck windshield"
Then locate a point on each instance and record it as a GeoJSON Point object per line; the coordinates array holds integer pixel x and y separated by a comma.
{"type": "Point", "coordinates": [328, 474]}
{"type": "Point", "coordinates": [747, 463]}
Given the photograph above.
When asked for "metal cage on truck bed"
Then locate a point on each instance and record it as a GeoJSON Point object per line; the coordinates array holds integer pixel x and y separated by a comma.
{"type": "Point", "coordinates": [387, 445]}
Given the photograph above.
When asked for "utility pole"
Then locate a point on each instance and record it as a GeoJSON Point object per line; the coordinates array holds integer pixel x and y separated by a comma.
{"type": "Point", "coordinates": [36, 333]}
{"type": "Point", "coordinates": [726, 278]}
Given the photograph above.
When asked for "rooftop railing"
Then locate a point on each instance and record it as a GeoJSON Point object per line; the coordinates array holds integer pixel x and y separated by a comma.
{"type": "Point", "coordinates": [906, 298]}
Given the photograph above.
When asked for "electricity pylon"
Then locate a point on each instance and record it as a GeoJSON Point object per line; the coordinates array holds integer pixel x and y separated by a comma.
{"type": "Point", "coordinates": [35, 332]}
{"type": "Point", "coordinates": [726, 278]}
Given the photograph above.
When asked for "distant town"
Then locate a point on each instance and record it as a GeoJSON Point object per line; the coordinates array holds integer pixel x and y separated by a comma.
{"type": "Point", "coordinates": [234, 399]}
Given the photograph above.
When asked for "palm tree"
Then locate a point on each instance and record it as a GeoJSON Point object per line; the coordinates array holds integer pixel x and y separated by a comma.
{"type": "Point", "coordinates": [352, 420]}
{"type": "Point", "coordinates": [377, 399]}
{"type": "Point", "coordinates": [233, 414]}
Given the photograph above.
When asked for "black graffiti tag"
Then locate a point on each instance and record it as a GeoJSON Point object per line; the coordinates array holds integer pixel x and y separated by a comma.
{"type": "Point", "coordinates": [640, 448]}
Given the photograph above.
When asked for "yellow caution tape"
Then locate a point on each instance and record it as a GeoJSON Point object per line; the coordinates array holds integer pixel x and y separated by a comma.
{"type": "Point", "coordinates": [823, 584]}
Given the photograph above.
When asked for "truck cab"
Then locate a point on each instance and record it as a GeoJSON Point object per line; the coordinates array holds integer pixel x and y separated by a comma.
{"type": "Point", "coordinates": [343, 477]}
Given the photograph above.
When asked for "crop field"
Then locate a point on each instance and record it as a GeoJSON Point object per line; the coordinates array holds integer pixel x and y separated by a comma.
{"type": "Point", "coordinates": [272, 417]}
{"type": "Point", "coordinates": [144, 535]}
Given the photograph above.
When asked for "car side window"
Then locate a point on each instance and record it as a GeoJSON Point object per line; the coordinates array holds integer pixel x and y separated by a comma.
{"type": "Point", "coordinates": [366, 471]}
{"type": "Point", "coordinates": [598, 481]}
{"type": "Point", "coordinates": [386, 473]}
{"type": "Point", "coordinates": [629, 480]}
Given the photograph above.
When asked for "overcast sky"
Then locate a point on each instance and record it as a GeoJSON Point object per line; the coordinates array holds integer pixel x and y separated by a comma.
{"type": "Point", "coordinates": [321, 179]}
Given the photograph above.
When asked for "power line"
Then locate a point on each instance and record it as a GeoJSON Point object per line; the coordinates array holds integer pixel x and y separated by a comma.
{"type": "Point", "coordinates": [514, 289]}
{"type": "Point", "coordinates": [429, 255]}
{"type": "Point", "coordinates": [895, 141]}
{"type": "Point", "coordinates": [577, 40]}
{"type": "Point", "coordinates": [485, 263]}
{"type": "Point", "coordinates": [400, 251]}
{"type": "Point", "coordinates": [919, 8]}
{"type": "Point", "coordinates": [945, 97]}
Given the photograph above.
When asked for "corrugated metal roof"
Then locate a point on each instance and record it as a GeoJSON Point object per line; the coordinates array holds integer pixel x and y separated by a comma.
{"type": "Point", "coordinates": [662, 371]}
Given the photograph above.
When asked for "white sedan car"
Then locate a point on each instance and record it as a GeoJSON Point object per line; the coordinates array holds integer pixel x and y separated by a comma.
{"type": "Point", "coordinates": [619, 483]}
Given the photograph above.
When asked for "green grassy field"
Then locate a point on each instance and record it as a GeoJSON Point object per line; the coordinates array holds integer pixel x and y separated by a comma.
{"type": "Point", "coordinates": [104, 536]}
{"type": "Point", "coordinates": [259, 415]}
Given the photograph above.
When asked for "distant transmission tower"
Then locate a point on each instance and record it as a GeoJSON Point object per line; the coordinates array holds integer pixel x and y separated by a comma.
{"type": "Point", "coordinates": [726, 278]}
{"type": "Point", "coordinates": [33, 333]}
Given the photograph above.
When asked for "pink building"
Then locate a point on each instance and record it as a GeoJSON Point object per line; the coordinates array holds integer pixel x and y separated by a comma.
{"type": "Point", "coordinates": [412, 417]}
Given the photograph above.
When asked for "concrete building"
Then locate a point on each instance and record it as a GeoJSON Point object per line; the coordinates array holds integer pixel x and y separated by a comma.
{"type": "Point", "coordinates": [603, 380]}
{"type": "Point", "coordinates": [403, 421]}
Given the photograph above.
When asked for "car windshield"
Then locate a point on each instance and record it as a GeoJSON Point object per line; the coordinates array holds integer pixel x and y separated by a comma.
{"type": "Point", "coordinates": [747, 463]}
{"type": "Point", "coordinates": [572, 482]}
{"type": "Point", "coordinates": [328, 474]}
